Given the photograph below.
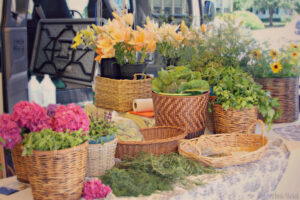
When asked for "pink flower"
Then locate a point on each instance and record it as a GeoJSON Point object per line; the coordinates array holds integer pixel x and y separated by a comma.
{"type": "Point", "coordinates": [94, 189]}
{"type": "Point", "coordinates": [9, 131]}
{"type": "Point", "coordinates": [70, 117]}
{"type": "Point", "coordinates": [31, 116]}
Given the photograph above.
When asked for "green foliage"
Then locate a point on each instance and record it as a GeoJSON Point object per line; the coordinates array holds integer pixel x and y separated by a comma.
{"type": "Point", "coordinates": [242, 4]}
{"type": "Point", "coordinates": [147, 173]}
{"type": "Point", "coordinates": [47, 140]}
{"type": "Point", "coordinates": [250, 20]}
{"type": "Point", "coordinates": [236, 89]}
{"type": "Point", "coordinates": [99, 128]}
{"type": "Point", "coordinates": [179, 81]}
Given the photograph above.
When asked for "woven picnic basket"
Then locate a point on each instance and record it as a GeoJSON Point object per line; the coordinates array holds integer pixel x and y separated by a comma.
{"type": "Point", "coordinates": [119, 94]}
{"type": "Point", "coordinates": [286, 90]}
{"type": "Point", "coordinates": [101, 157]}
{"type": "Point", "coordinates": [158, 140]}
{"type": "Point", "coordinates": [58, 174]}
{"type": "Point", "coordinates": [19, 163]}
{"type": "Point", "coordinates": [181, 111]}
{"type": "Point", "coordinates": [228, 149]}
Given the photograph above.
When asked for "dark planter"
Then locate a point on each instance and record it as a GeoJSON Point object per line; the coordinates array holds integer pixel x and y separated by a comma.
{"type": "Point", "coordinates": [109, 68]}
{"type": "Point", "coordinates": [128, 70]}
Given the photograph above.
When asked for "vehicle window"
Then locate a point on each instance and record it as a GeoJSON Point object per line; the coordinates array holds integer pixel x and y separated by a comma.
{"type": "Point", "coordinates": [120, 4]}
{"type": "Point", "coordinates": [78, 8]}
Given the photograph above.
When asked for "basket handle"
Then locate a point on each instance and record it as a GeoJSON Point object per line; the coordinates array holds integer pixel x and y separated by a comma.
{"type": "Point", "coordinates": [139, 74]}
{"type": "Point", "coordinates": [262, 126]}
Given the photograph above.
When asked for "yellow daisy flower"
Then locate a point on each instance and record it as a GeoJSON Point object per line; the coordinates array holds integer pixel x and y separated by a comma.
{"type": "Point", "coordinates": [276, 67]}
{"type": "Point", "coordinates": [294, 54]}
{"type": "Point", "coordinates": [273, 53]}
{"type": "Point", "coordinates": [255, 53]}
{"type": "Point", "coordinates": [294, 46]}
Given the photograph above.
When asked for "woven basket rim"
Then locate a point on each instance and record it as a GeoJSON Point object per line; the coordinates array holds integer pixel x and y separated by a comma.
{"type": "Point", "coordinates": [182, 97]}
{"type": "Point", "coordinates": [125, 80]}
{"type": "Point", "coordinates": [277, 78]}
{"type": "Point", "coordinates": [231, 109]}
{"type": "Point", "coordinates": [112, 141]}
{"type": "Point", "coordinates": [61, 151]}
{"type": "Point", "coordinates": [158, 141]}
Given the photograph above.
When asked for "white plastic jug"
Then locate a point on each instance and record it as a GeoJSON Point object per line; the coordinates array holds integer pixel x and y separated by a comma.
{"type": "Point", "coordinates": [48, 91]}
{"type": "Point", "coordinates": [34, 91]}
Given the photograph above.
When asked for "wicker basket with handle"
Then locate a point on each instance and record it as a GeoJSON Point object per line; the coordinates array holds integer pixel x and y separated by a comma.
{"type": "Point", "coordinates": [181, 111]}
{"type": "Point", "coordinates": [158, 140]}
{"type": "Point", "coordinates": [287, 92]}
{"type": "Point", "coordinates": [101, 157]}
{"type": "Point", "coordinates": [222, 150]}
{"type": "Point", "coordinates": [19, 163]}
{"type": "Point", "coordinates": [119, 94]}
{"type": "Point", "coordinates": [58, 174]}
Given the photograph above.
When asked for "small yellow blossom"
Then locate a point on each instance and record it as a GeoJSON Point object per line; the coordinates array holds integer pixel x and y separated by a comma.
{"type": "Point", "coordinates": [255, 53]}
{"type": "Point", "coordinates": [276, 67]}
{"type": "Point", "coordinates": [273, 54]}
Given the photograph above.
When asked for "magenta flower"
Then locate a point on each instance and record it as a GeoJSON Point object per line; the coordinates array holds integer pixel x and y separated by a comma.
{"type": "Point", "coordinates": [94, 189]}
{"type": "Point", "coordinates": [31, 116]}
{"type": "Point", "coordinates": [51, 109]}
{"type": "Point", "coordinates": [70, 117]}
{"type": "Point", "coordinates": [9, 131]}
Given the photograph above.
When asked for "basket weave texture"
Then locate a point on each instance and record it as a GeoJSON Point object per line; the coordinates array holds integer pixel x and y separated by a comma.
{"type": "Point", "coordinates": [101, 157]}
{"type": "Point", "coordinates": [158, 140]}
{"type": "Point", "coordinates": [181, 111]}
{"type": "Point", "coordinates": [222, 150]}
{"type": "Point", "coordinates": [228, 121]}
{"type": "Point", "coordinates": [119, 94]}
{"type": "Point", "coordinates": [58, 174]}
{"type": "Point", "coordinates": [19, 163]}
{"type": "Point", "coordinates": [286, 90]}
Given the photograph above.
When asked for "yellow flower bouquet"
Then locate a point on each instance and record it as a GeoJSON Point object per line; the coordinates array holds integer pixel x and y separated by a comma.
{"type": "Point", "coordinates": [276, 64]}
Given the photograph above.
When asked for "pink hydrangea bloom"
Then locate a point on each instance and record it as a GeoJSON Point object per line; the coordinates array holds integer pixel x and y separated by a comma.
{"type": "Point", "coordinates": [94, 189]}
{"type": "Point", "coordinates": [70, 117]}
{"type": "Point", "coordinates": [9, 131]}
{"type": "Point", "coordinates": [31, 116]}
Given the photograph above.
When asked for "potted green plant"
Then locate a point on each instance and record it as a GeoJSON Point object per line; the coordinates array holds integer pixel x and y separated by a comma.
{"type": "Point", "coordinates": [278, 72]}
{"type": "Point", "coordinates": [238, 101]}
{"type": "Point", "coordinates": [57, 160]}
{"type": "Point", "coordinates": [102, 145]}
{"type": "Point", "coordinates": [180, 99]}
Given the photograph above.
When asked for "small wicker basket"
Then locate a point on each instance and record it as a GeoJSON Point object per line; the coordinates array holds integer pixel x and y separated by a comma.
{"type": "Point", "coordinates": [222, 150]}
{"type": "Point", "coordinates": [101, 157]}
{"type": "Point", "coordinates": [19, 163]}
{"type": "Point", "coordinates": [158, 140]}
{"type": "Point", "coordinates": [119, 94]}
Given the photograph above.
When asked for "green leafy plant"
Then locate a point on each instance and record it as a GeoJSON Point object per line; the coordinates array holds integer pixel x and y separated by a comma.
{"type": "Point", "coordinates": [237, 90]}
{"type": "Point", "coordinates": [147, 173]}
{"type": "Point", "coordinates": [179, 81]}
{"type": "Point", "coordinates": [48, 140]}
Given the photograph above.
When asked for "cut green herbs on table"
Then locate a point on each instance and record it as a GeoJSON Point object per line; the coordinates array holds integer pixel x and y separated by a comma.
{"type": "Point", "coordinates": [47, 140]}
{"type": "Point", "coordinates": [147, 173]}
{"type": "Point", "coordinates": [179, 81]}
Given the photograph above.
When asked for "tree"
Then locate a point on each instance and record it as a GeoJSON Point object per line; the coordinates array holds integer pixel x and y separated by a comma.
{"type": "Point", "coordinates": [242, 4]}
{"type": "Point", "coordinates": [297, 6]}
{"type": "Point", "coordinates": [271, 5]}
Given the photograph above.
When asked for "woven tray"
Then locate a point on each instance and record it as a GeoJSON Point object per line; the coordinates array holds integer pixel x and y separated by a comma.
{"type": "Point", "coordinates": [222, 150]}
{"type": "Point", "coordinates": [158, 140]}
{"type": "Point", "coordinates": [119, 94]}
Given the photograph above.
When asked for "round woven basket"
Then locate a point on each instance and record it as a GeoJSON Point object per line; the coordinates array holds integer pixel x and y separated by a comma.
{"type": "Point", "coordinates": [158, 140]}
{"type": "Point", "coordinates": [58, 174]}
{"type": "Point", "coordinates": [287, 92]}
{"type": "Point", "coordinates": [19, 163]}
{"type": "Point", "coordinates": [222, 150]}
{"type": "Point", "coordinates": [228, 121]}
{"type": "Point", "coordinates": [181, 111]}
{"type": "Point", "coordinates": [101, 157]}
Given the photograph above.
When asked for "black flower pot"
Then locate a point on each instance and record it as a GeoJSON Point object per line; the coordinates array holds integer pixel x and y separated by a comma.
{"type": "Point", "coordinates": [128, 70]}
{"type": "Point", "coordinates": [109, 68]}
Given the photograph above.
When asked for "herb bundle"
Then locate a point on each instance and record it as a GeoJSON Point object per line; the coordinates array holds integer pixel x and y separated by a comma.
{"type": "Point", "coordinates": [147, 173]}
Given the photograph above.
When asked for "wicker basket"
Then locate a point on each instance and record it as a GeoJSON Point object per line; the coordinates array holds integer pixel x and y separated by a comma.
{"type": "Point", "coordinates": [209, 115]}
{"type": "Point", "coordinates": [286, 90]}
{"type": "Point", "coordinates": [101, 157]}
{"type": "Point", "coordinates": [119, 94]}
{"type": "Point", "coordinates": [58, 174]}
{"type": "Point", "coordinates": [222, 150]}
{"type": "Point", "coordinates": [19, 163]}
{"type": "Point", "coordinates": [158, 140]}
{"type": "Point", "coordinates": [181, 111]}
{"type": "Point", "coordinates": [228, 121]}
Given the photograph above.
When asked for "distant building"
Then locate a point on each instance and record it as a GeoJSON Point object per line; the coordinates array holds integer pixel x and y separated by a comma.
{"type": "Point", "coordinates": [279, 14]}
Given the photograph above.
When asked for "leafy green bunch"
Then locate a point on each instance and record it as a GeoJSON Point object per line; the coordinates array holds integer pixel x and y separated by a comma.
{"type": "Point", "coordinates": [237, 90]}
{"type": "Point", "coordinates": [179, 81]}
{"type": "Point", "coordinates": [101, 127]}
{"type": "Point", "coordinates": [47, 140]}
